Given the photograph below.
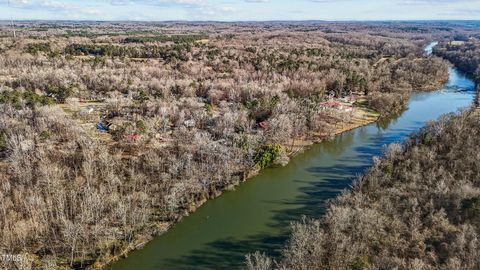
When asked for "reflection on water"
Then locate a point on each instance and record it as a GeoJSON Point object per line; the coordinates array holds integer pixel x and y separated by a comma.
{"type": "Point", "coordinates": [257, 215]}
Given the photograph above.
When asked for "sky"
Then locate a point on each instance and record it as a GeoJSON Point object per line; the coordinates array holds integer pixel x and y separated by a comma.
{"type": "Point", "coordinates": [239, 10]}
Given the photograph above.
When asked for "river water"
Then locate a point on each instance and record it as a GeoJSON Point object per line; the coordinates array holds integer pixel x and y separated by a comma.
{"type": "Point", "coordinates": [429, 47]}
{"type": "Point", "coordinates": [256, 216]}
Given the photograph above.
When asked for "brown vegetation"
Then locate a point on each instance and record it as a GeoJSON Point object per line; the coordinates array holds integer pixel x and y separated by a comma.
{"type": "Point", "coordinates": [465, 55]}
{"type": "Point", "coordinates": [417, 208]}
{"type": "Point", "coordinates": [185, 119]}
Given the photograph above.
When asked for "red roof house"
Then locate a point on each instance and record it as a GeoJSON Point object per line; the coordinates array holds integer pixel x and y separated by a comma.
{"type": "Point", "coordinates": [264, 124]}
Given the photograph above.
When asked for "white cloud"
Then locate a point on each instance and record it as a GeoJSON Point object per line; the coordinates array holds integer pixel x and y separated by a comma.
{"type": "Point", "coordinates": [44, 4]}
{"type": "Point", "coordinates": [68, 9]}
{"type": "Point", "coordinates": [435, 2]}
{"type": "Point", "coordinates": [160, 2]}
{"type": "Point", "coordinates": [241, 9]}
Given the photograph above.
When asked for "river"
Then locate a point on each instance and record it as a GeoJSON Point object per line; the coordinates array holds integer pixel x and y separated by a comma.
{"type": "Point", "coordinates": [256, 216]}
{"type": "Point", "coordinates": [429, 47]}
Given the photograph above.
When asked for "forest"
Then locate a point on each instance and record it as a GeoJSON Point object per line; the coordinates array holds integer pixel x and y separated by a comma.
{"type": "Point", "coordinates": [111, 133]}
{"type": "Point", "coordinates": [418, 207]}
{"type": "Point", "coordinates": [465, 54]}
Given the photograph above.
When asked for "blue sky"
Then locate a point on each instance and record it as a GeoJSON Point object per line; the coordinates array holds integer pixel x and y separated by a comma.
{"type": "Point", "coordinates": [239, 10]}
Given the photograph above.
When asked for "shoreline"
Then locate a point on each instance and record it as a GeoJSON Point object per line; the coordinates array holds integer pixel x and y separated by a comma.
{"type": "Point", "coordinates": [361, 116]}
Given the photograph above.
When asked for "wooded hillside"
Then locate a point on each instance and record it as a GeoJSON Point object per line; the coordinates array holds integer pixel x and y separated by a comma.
{"type": "Point", "coordinates": [417, 208]}
{"type": "Point", "coordinates": [465, 54]}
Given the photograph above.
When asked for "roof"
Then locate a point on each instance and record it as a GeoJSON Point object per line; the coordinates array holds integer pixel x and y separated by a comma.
{"type": "Point", "coordinates": [132, 137]}
{"type": "Point", "coordinates": [264, 124]}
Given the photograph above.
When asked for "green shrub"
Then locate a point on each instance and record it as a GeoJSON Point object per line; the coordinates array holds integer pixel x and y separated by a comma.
{"type": "Point", "coordinates": [34, 48]}
{"type": "Point", "coordinates": [388, 168]}
{"type": "Point", "coordinates": [11, 97]}
{"type": "Point", "coordinates": [28, 98]}
{"type": "Point", "coordinates": [59, 93]}
{"type": "Point", "coordinates": [471, 209]}
{"type": "Point", "coordinates": [261, 109]}
{"type": "Point", "coordinates": [141, 126]}
{"type": "Point", "coordinates": [266, 155]}
{"type": "Point", "coordinates": [209, 107]}
{"type": "Point", "coordinates": [31, 99]}
{"type": "Point", "coordinates": [142, 96]}
{"type": "Point", "coordinates": [360, 263]}
{"type": "Point", "coordinates": [45, 135]}
{"type": "Point", "coordinates": [3, 144]}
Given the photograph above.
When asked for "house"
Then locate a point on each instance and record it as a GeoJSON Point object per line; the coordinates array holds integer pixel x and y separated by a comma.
{"type": "Point", "coordinates": [456, 43]}
{"type": "Point", "coordinates": [264, 124]}
{"type": "Point", "coordinates": [189, 123]}
{"type": "Point", "coordinates": [332, 104]}
{"type": "Point", "coordinates": [132, 137]}
{"type": "Point", "coordinates": [349, 99]}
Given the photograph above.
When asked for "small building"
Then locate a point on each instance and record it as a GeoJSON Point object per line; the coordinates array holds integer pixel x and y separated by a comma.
{"type": "Point", "coordinates": [87, 110]}
{"type": "Point", "coordinates": [333, 104]}
{"type": "Point", "coordinates": [189, 123]}
{"type": "Point", "coordinates": [132, 137]}
{"type": "Point", "coordinates": [264, 124]}
{"type": "Point", "coordinates": [456, 43]}
{"type": "Point", "coordinates": [349, 99]}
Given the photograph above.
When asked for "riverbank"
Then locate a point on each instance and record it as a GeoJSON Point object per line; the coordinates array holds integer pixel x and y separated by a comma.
{"type": "Point", "coordinates": [464, 55]}
{"type": "Point", "coordinates": [257, 214]}
{"type": "Point", "coordinates": [415, 208]}
{"type": "Point", "coordinates": [361, 115]}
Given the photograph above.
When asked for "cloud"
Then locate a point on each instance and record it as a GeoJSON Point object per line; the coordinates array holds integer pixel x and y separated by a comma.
{"type": "Point", "coordinates": [241, 9]}
{"type": "Point", "coordinates": [65, 8]}
{"type": "Point", "coordinates": [328, 1]}
{"type": "Point", "coordinates": [461, 12]}
{"type": "Point", "coordinates": [435, 2]}
{"type": "Point", "coordinates": [185, 3]}
{"type": "Point", "coordinates": [37, 4]}
{"type": "Point", "coordinates": [196, 9]}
